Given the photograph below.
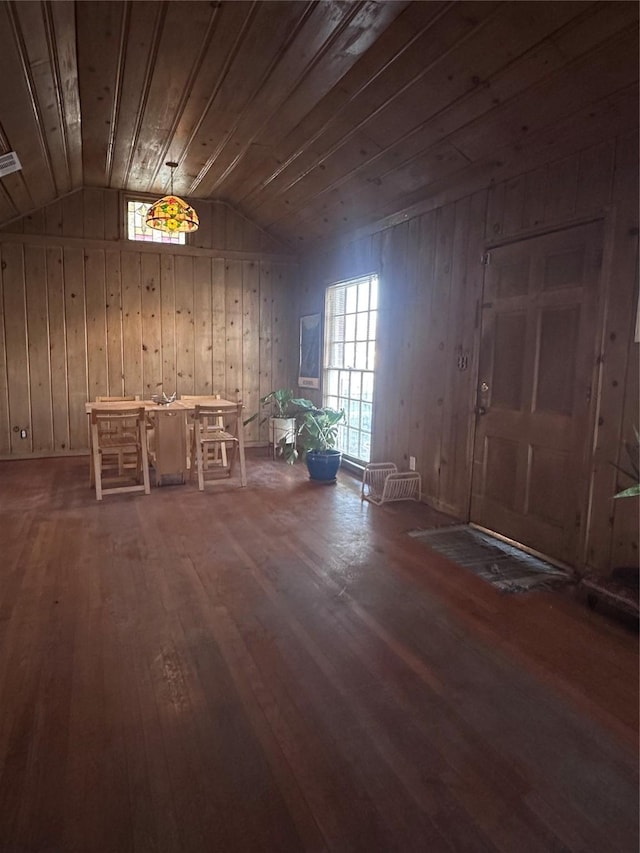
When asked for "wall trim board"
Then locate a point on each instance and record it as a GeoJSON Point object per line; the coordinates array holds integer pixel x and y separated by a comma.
{"type": "Point", "coordinates": [144, 248]}
{"type": "Point", "coordinates": [444, 507]}
{"type": "Point", "coordinates": [616, 321]}
{"type": "Point", "coordinates": [610, 226]}
{"type": "Point", "coordinates": [43, 454]}
{"type": "Point", "coordinates": [542, 230]}
{"type": "Point", "coordinates": [63, 454]}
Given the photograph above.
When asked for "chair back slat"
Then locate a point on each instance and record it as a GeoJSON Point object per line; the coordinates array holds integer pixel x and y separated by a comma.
{"type": "Point", "coordinates": [117, 414]}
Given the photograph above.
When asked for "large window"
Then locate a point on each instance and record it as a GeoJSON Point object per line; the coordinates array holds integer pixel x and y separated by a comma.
{"type": "Point", "coordinates": [351, 313]}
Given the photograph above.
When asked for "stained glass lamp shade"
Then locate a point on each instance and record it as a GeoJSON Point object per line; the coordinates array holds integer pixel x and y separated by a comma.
{"type": "Point", "coordinates": [170, 213]}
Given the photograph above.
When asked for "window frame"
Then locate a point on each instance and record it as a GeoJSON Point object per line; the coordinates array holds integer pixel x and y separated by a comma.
{"type": "Point", "coordinates": [336, 378]}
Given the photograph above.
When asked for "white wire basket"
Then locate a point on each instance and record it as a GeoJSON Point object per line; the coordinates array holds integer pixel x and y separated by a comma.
{"type": "Point", "coordinates": [382, 482]}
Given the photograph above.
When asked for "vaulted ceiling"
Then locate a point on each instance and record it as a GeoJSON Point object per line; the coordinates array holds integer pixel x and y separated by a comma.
{"type": "Point", "coordinates": [310, 118]}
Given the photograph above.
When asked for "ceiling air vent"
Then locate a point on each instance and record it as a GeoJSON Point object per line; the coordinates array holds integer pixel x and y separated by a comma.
{"type": "Point", "coordinates": [9, 163]}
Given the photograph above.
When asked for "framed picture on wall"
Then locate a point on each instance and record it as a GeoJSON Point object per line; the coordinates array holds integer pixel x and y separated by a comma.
{"type": "Point", "coordinates": [310, 344]}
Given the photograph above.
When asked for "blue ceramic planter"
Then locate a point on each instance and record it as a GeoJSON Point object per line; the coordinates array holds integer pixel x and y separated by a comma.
{"type": "Point", "coordinates": [323, 465]}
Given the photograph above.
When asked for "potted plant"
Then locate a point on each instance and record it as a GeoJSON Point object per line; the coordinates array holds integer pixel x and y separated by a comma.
{"type": "Point", "coordinates": [317, 435]}
{"type": "Point", "coordinates": [633, 471]}
{"type": "Point", "coordinates": [282, 407]}
{"type": "Point", "coordinates": [620, 587]}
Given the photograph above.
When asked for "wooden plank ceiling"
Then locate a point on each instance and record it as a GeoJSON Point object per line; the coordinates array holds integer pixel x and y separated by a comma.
{"type": "Point", "coordinates": [310, 118]}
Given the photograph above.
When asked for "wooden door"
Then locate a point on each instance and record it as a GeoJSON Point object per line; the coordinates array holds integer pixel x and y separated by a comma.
{"type": "Point", "coordinates": [537, 361]}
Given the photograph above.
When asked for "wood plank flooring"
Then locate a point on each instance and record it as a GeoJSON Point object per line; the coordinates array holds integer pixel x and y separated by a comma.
{"type": "Point", "coordinates": [281, 668]}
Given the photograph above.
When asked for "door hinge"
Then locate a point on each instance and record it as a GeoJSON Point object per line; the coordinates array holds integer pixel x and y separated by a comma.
{"type": "Point", "coordinates": [485, 260]}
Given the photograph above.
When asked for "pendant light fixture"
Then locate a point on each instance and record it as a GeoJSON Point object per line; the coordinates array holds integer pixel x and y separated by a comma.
{"type": "Point", "coordinates": [170, 213]}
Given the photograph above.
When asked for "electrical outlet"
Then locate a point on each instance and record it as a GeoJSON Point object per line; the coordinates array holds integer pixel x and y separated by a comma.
{"type": "Point", "coordinates": [412, 463]}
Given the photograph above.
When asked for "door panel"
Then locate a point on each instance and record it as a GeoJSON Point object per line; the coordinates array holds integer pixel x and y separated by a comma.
{"type": "Point", "coordinates": [559, 329]}
{"type": "Point", "coordinates": [536, 364]}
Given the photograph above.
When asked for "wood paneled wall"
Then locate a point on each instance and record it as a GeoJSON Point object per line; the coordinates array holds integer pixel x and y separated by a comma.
{"type": "Point", "coordinates": [85, 313]}
{"type": "Point", "coordinates": [428, 333]}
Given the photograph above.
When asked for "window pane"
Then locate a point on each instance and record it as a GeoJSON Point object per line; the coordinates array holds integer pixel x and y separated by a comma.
{"type": "Point", "coordinates": [332, 402]}
{"type": "Point", "coordinates": [363, 296]}
{"type": "Point", "coordinates": [367, 386]}
{"type": "Point", "coordinates": [352, 299]}
{"type": "Point", "coordinates": [361, 356]}
{"type": "Point", "coordinates": [337, 329]}
{"type": "Point", "coordinates": [362, 332]}
{"type": "Point", "coordinates": [338, 300]}
{"type": "Point", "coordinates": [356, 384]}
{"type": "Point", "coordinates": [336, 356]}
{"type": "Point", "coordinates": [332, 382]}
{"type": "Point", "coordinates": [350, 355]}
{"type": "Point", "coordinates": [367, 416]}
{"type": "Point", "coordinates": [350, 327]}
{"type": "Point", "coordinates": [371, 357]}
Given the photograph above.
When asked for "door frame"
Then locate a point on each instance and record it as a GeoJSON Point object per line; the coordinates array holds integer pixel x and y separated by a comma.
{"type": "Point", "coordinates": [607, 217]}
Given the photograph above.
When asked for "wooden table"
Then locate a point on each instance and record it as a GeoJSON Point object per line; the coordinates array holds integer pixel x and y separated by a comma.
{"type": "Point", "coordinates": [169, 453]}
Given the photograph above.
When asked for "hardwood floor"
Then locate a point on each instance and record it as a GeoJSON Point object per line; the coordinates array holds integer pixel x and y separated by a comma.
{"type": "Point", "coordinates": [281, 668]}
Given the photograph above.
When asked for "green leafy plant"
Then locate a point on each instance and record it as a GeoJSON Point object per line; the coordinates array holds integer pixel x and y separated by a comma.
{"type": "Point", "coordinates": [281, 403]}
{"type": "Point", "coordinates": [317, 431]}
{"type": "Point", "coordinates": [633, 471]}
